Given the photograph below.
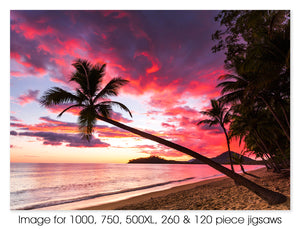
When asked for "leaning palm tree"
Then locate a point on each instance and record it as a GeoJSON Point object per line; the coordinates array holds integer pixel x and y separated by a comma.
{"type": "Point", "coordinates": [90, 97]}
{"type": "Point", "coordinates": [218, 115]}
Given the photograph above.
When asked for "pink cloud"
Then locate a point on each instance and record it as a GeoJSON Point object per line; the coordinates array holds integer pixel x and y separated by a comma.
{"type": "Point", "coordinates": [28, 97]}
{"type": "Point", "coordinates": [31, 32]}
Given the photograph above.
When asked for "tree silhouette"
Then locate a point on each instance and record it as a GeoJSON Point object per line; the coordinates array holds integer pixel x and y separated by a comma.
{"type": "Point", "coordinates": [218, 114]}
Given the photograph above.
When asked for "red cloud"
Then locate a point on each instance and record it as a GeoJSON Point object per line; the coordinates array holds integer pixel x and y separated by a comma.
{"type": "Point", "coordinates": [166, 99]}
{"type": "Point", "coordinates": [154, 61]}
{"type": "Point", "coordinates": [71, 46]}
{"type": "Point", "coordinates": [32, 30]}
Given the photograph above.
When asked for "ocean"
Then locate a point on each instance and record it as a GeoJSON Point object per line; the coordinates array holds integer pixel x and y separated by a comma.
{"type": "Point", "coordinates": [59, 186]}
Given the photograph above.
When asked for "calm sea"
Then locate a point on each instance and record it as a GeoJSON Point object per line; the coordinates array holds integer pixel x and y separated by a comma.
{"type": "Point", "coordinates": [71, 186]}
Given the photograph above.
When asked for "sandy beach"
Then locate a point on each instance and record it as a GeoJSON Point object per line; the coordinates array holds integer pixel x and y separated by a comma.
{"type": "Point", "coordinates": [214, 194]}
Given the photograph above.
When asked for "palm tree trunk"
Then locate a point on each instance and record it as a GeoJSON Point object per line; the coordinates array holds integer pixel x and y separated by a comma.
{"type": "Point", "coordinates": [242, 168]}
{"type": "Point", "coordinates": [282, 155]}
{"type": "Point", "coordinates": [228, 146]}
{"type": "Point", "coordinates": [275, 165]}
{"type": "Point", "coordinates": [262, 155]}
{"type": "Point", "coordinates": [270, 196]}
{"type": "Point", "coordinates": [276, 118]}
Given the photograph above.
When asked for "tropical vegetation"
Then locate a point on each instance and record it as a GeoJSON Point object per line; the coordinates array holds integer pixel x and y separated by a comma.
{"type": "Point", "coordinates": [257, 86]}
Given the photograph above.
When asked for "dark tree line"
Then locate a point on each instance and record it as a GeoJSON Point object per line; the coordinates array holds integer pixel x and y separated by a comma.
{"type": "Point", "coordinates": [257, 88]}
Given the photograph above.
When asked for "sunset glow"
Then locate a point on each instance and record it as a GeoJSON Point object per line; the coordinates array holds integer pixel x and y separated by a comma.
{"type": "Point", "coordinates": [165, 55]}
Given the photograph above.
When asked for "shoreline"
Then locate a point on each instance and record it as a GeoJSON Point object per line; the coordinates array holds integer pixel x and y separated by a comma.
{"type": "Point", "coordinates": [213, 194]}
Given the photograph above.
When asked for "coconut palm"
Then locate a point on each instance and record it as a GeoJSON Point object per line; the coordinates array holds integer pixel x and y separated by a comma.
{"type": "Point", "coordinates": [218, 115]}
{"type": "Point", "coordinates": [245, 88]}
{"type": "Point", "coordinates": [91, 98]}
{"type": "Point", "coordinates": [255, 125]}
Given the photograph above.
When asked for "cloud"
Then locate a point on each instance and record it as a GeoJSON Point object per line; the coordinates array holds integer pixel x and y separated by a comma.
{"type": "Point", "coordinates": [14, 133]}
{"type": "Point", "coordinates": [212, 129]}
{"type": "Point", "coordinates": [155, 65]}
{"type": "Point", "coordinates": [13, 118]}
{"type": "Point", "coordinates": [28, 97]}
{"type": "Point", "coordinates": [147, 54]}
{"type": "Point", "coordinates": [71, 140]}
{"type": "Point", "coordinates": [167, 125]}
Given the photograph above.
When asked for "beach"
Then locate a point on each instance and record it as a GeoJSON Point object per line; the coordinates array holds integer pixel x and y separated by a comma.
{"type": "Point", "coordinates": [214, 194]}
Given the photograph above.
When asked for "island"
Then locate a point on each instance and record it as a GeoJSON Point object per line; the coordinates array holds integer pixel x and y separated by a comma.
{"type": "Point", "coordinates": [221, 159]}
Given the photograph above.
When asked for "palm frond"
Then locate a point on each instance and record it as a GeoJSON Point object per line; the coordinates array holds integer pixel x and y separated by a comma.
{"type": "Point", "coordinates": [210, 122]}
{"type": "Point", "coordinates": [95, 77]}
{"type": "Point", "coordinates": [227, 117]}
{"type": "Point", "coordinates": [229, 76]}
{"type": "Point", "coordinates": [81, 80]}
{"type": "Point", "coordinates": [218, 113]}
{"type": "Point", "coordinates": [61, 113]}
{"type": "Point", "coordinates": [88, 76]}
{"type": "Point", "coordinates": [104, 109]}
{"type": "Point", "coordinates": [82, 66]}
{"type": "Point", "coordinates": [207, 113]}
{"type": "Point", "coordinates": [81, 75]}
{"type": "Point", "coordinates": [120, 105]}
{"type": "Point", "coordinates": [81, 95]}
{"type": "Point", "coordinates": [56, 96]}
{"type": "Point", "coordinates": [232, 97]}
{"type": "Point", "coordinates": [87, 120]}
{"type": "Point", "coordinates": [111, 89]}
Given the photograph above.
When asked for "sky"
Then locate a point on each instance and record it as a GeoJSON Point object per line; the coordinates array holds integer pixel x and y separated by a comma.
{"type": "Point", "coordinates": [165, 55]}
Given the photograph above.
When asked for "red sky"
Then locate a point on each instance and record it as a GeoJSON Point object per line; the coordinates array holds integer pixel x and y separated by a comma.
{"type": "Point", "coordinates": [166, 56]}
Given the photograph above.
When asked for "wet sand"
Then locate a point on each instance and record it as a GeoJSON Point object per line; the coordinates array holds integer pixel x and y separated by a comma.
{"type": "Point", "coordinates": [214, 194]}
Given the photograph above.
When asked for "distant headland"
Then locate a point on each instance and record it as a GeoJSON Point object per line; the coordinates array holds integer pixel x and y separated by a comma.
{"type": "Point", "coordinates": [221, 159]}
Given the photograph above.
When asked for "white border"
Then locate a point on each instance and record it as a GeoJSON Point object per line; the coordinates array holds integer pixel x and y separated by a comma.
{"type": "Point", "coordinates": [9, 218]}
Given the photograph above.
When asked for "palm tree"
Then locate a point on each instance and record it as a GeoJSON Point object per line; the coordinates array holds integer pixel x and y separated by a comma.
{"type": "Point", "coordinates": [218, 115]}
{"type": "Point", "coordinates": [246, 88]}
{"type": "Point", "coordinates": [90, 97]}
{"type": "Point", "coordinates": [255, 125]}
{"type": "Point", "coordinates": [239, 159]}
